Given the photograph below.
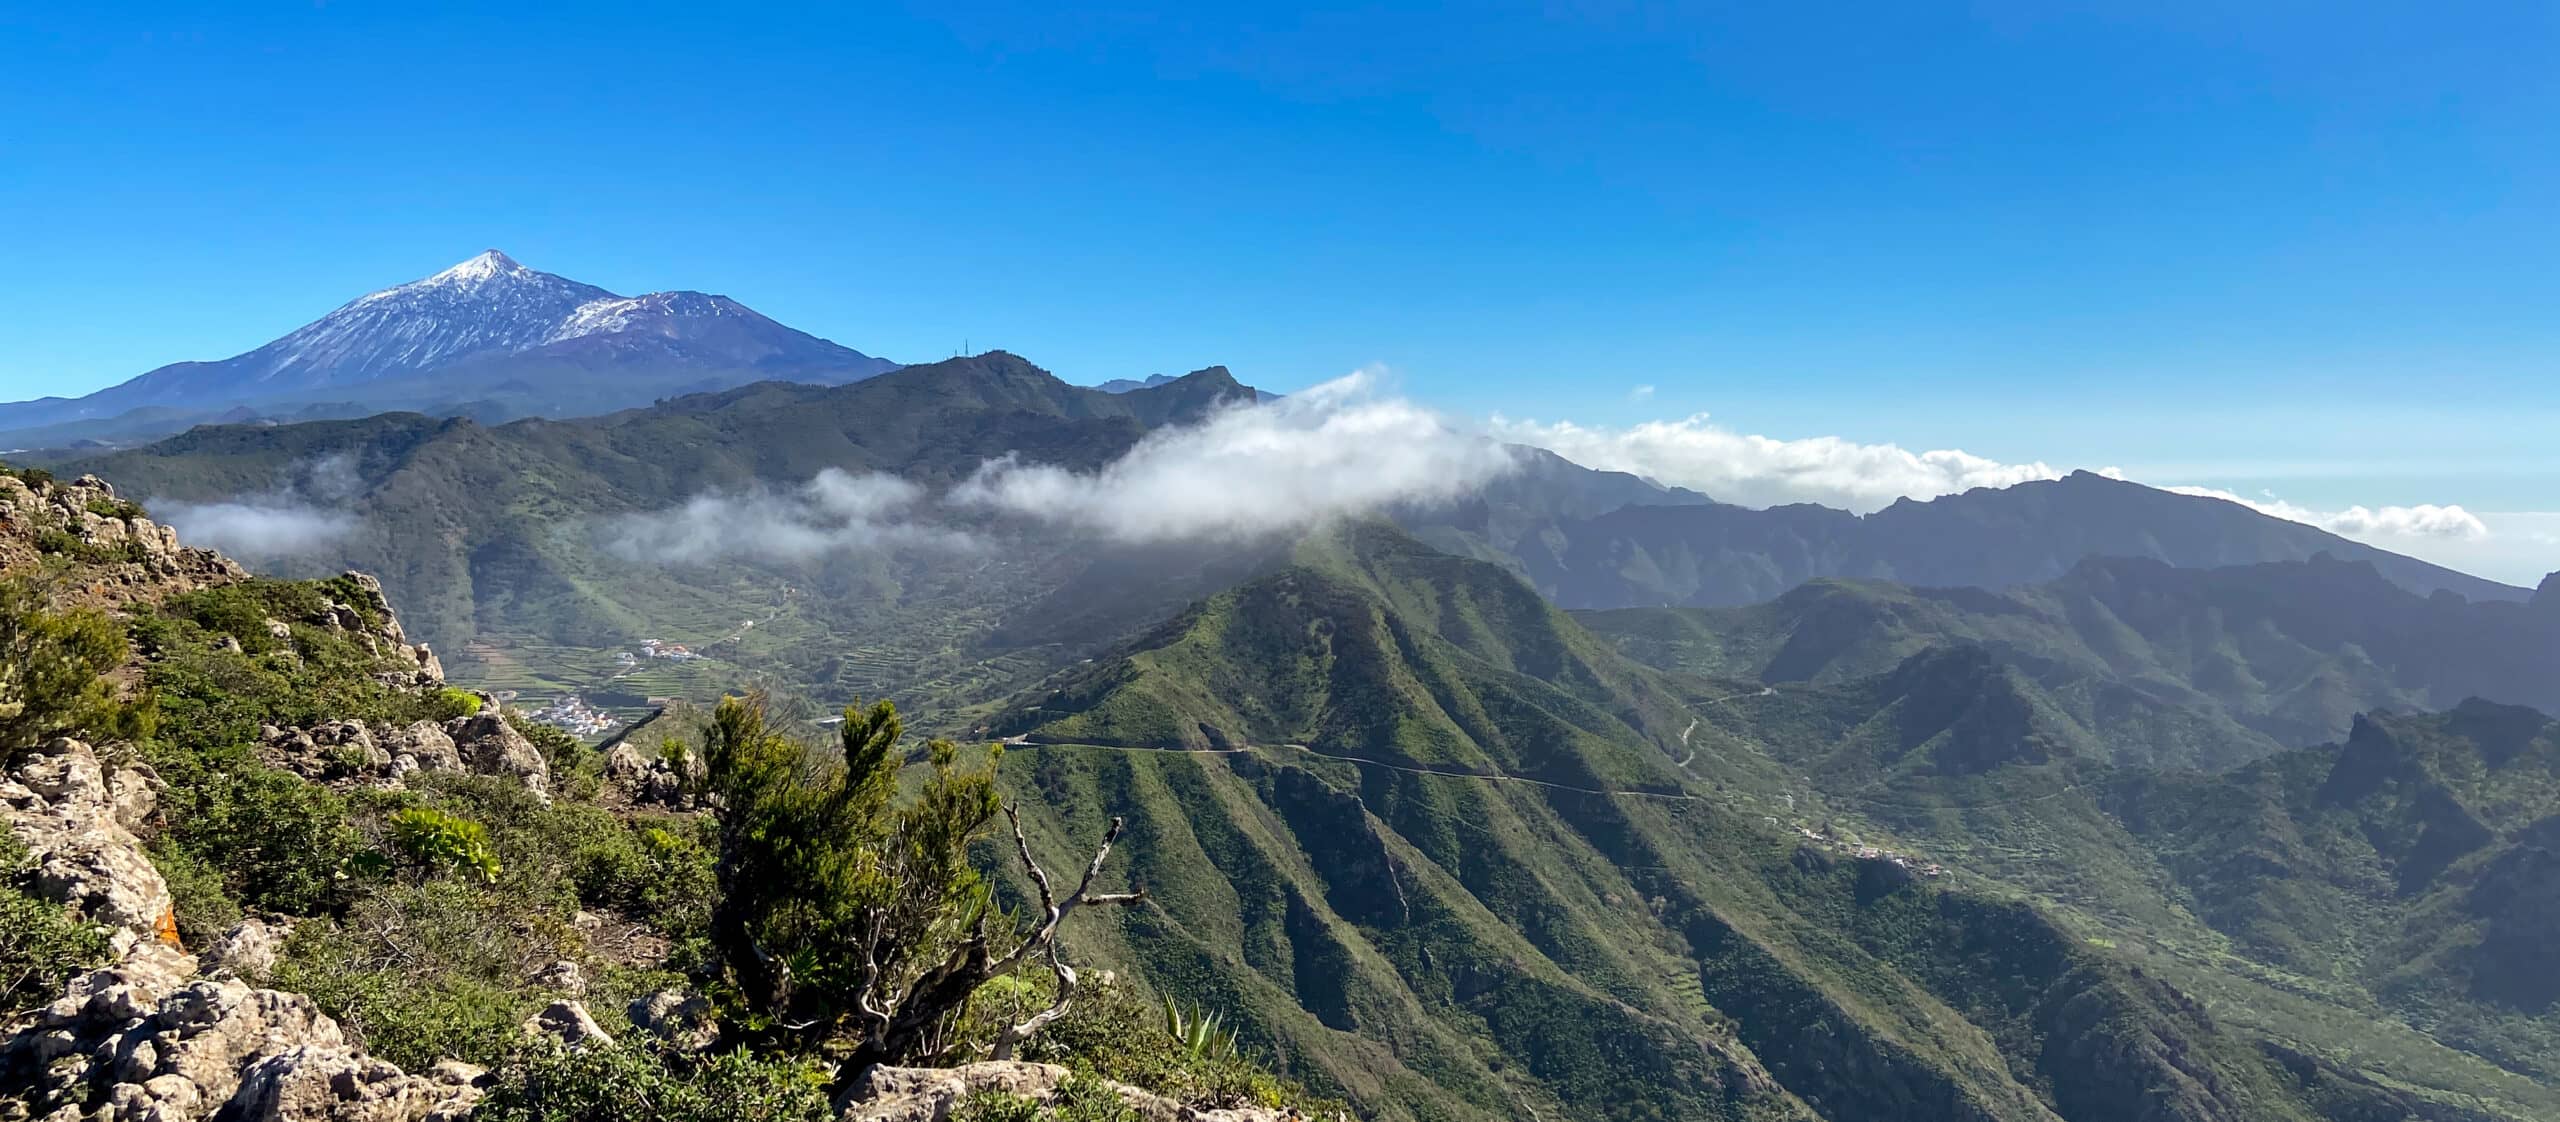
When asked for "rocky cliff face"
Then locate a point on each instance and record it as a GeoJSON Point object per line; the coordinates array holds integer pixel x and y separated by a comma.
{"type": "Point", "coordinates": [120, 557]}
{"type": "Point", "coordinates": [159, 1034]}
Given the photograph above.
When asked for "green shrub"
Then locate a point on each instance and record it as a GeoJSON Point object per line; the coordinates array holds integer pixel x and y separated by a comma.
{"type": "Point", "coordinates": [450, 703]}
{"type": "Point", "coordinates": [1109, 1031]}
{"type": "Point", "coordinates": [420, 972]}
{"type": "Point", "coordinates": [1201, 1035]}
{"type": "Point", "coordinates": [834, 898]}
{"type": "Point", "coordinates": [632, 1082]}
{"type": "Point", "coordinates": [197, 893]}
{"type": "Point", "coordinates": [120, 509]}
{"type": "Point", "coordinates": [280, 844]}
{"type": "Point", "coordinates": [437, 842]}
{"type": "Point", "coordinates": [53, 672]}
{"type": "Point", "coordinates": [41, 945]}
{"type": "Point", "coordinates": [1081, 1097]}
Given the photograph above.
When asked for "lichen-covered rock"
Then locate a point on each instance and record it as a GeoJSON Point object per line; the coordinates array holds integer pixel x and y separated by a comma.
{"type": "Point", "coordinates": [140, 1040]}
{"type": "Point", "coordinates": [683, 1020]}
{"type": "Point", "coordinates": [934, 1094]}
{"type": "Point", "coordinates": [564, 977]}
{"type": "Point", "coordinates": [491, 746]}
{"type": "Point", "coordinates": [329, 752]}
{"type": "Point", "coordinates": [62, 805]}
{"type": "Point", "coordinates": [931, 1094]}
{"type": "Point", "coordinates": [249, 949]}
{"type": "Point", "coordinates": [321, 1083]}
{"type": "Point", "coordinates": [427, 745]}
{"type": "Point", "coordinates": [571, 1024]}
{"type": "Point", "coordinates": [135, 560]}
{"type": "Point", "coordinates": [648, 780]}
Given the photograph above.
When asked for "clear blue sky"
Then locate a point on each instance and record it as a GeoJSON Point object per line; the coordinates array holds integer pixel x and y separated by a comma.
{"type": "Point", "coordinates": [2303, 247]}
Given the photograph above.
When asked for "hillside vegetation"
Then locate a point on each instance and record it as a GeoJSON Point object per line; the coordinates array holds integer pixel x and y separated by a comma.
{"type": "Point", "coordinates": [216, 784]}
{"type": "Point", "coordinates": [1433, 810]}
{"type": "Point", "coordinates": [2151, 664]}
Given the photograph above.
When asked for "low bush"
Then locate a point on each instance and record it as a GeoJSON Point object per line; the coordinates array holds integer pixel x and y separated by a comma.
{"type": "Point", "coordinates": [432, 841]}
{"type": "Point", "coordinates": [41, 945]}
{"type": "Point", "coordinates": [421, 972]}
{"type": "Point", "coordinates": [632, 1081]}
{"type": "Point", "coordinates": [53, 672]}
{"type": "Point", "coordinates": [277, 843]}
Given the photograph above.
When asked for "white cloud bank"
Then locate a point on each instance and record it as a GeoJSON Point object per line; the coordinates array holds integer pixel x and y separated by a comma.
{"type": "Point", "coordinates": [836, 511]}
{"type": "Point", "coordinates": [1246, 470]}
{"type": "Point", "coordinates": [305, 514]}
{"type": "Point", "coordinates": [1762, 471]}
{"type": "Point", "coordinates": [2425, 520]}
{"type": "Point", "coordinates": [1342, 447]}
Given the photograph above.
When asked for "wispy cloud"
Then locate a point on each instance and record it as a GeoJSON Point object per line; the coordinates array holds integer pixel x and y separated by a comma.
{"type": "Point", "coordinates": [302, 515]}
{"type": "Point", "coordinates": [835, 512]}
{"type": "Point", "coordinates": [1339, 448]}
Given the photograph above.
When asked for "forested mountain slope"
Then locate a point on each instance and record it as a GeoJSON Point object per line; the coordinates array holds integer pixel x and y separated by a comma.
{"type": "Point", "coordinates": [1431, 809]}
{"type": "Point", "coordinates": [2287, 652]}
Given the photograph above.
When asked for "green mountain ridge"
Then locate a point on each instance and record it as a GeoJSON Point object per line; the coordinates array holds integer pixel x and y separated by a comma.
{"type": "Point", "coordinates": [493, 538]}
{"type": "Point", "coordinates": [1671, 553]}
{"type": "Point", "coordinates": [2243, 659]}
{"type": "Point", "coordinates": [1382, 814]}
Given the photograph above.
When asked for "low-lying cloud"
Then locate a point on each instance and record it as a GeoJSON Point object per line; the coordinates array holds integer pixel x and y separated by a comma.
{"type": "Point", "coordinates": [835, 512]}
{"type": "Point", "coordinates": [305, 514]}
{"type": "Point", "coordinates": [1340, 448]}
{"type": "Point", "coordinates": [1244, 471]}
{"type": "Point", "coordinates": [2425, 520]}
{"type": "Point", "coordinates": [1763, 471]}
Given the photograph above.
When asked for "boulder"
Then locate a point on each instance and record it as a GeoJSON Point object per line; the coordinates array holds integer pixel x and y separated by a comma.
{"type": "Point", "coordinates": [490, 746]}
{"type": "Point", "coordinates": [321, 1083]}
{"type": "Point", "coordinates": [249, 949]}
{"type": "Point", "coordinates": [429, 747]}
{"type": "Point", "coordinates": [647, 780]}
{"type": "Point", "coordinates": [571, 1024]}
{"type": "Point", "coordinates": [683, 1020]}
{"type": "Point", "coordinates": [933, 1094]}
{"type": "Point", "coordinates": [563, 977]}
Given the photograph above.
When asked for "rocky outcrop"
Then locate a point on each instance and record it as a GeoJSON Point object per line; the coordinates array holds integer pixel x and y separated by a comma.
{"type": "Point", "coordinates": [146, 1039]}
{"type": "Point", "coordinates": [138, 1041]}
{"type": "Point", "coordinates": [422, 746]}
{"type": "Point", "coordinates": [683, 1020]}
{"type": "Point", "coordinates": [932, 1094]}
{"type": "Point", "coordinates": [78, 819]}
{"type": "Point", "coordinates": [316, 1084]}
{"type": "Point", "coordinates": [125, 557]}
{"type": "Point", "coordinates": [248, 950]}
{"type": "Point", "coordinates": [350, 753]}
{"type": "Point", "coordinates": [650, 780]}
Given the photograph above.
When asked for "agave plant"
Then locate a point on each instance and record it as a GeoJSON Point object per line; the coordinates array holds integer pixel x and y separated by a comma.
{"type": "Point", "coordinates": [1202, 1034]}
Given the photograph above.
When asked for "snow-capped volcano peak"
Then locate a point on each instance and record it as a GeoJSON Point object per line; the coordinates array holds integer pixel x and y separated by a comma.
{"type": "Point", "coordinates": [489, 263]}
{"type": "Point", "coordinates": [484, 313]}
{"type": "Point", "coordinates": [466, 276]}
